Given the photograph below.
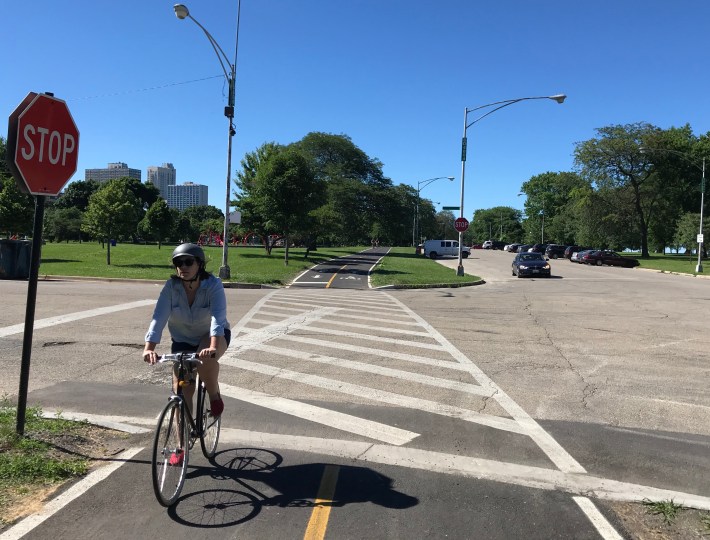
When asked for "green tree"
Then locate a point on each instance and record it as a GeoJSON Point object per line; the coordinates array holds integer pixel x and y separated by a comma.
{"type": "Point", "coordinates": [687, 230]}
{"type": "Point", "coordinates": [204, 219]}
{"type": "Point", "coordinates": [76, 195]}
{"type": "Point", "coordinates": [498, 223]}
{"type": "Point", "coordinates": [16, 207]}
{"type": "Point", "coordinates": [63, 224]}
{"type": "Point", "coordinates": [158, 222]}
{"type": "Point", "coordinates": [614, 160]}
{"type": "Point", "coordinates": [286, 190]}
{"type": "Point", "coordinates": [113, 211]}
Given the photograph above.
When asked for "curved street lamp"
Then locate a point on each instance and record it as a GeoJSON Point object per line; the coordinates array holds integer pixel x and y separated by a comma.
{"type": "Point", "coordinates": [229, 70]}
{"type": "Point", "coordinates": [643, 150]}
{"type": "Point", "coordinates": [559, 98]}
{"type": "Point", "coordinates": [421, 185]}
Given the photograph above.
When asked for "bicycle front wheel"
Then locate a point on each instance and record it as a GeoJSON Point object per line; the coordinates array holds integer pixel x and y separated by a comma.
{"type": "Point", "coordinates": [170, 453]}
{"type": "Point", "coordinates": [209, 425]}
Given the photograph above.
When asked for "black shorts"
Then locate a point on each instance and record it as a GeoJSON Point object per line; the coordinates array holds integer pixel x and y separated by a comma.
{"type": "Point", "coordinates": [181, 346]}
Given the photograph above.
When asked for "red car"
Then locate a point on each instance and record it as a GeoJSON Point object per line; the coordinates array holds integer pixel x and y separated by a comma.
{"type": "Point", "coordinates": [610, 258]}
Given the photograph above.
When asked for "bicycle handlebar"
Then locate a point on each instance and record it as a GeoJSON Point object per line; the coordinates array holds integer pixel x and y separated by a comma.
{"type": "Point", "coordinates": [185, 357]}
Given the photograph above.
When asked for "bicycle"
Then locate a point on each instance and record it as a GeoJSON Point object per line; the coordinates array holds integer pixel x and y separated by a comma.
{"type": "Point", "coordinates": [177, 431]}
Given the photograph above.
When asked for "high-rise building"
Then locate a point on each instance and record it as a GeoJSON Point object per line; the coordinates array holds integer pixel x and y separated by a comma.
{"type": "Point", "coordinates": [186, 195]}
{"type": "Point", "coordinates": [162, 177]}
{"type": "Point", "coordinates": [114, 170]}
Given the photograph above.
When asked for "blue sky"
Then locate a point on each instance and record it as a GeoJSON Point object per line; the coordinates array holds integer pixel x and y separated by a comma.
{"type": "Point", "coordinates": [394, 75]}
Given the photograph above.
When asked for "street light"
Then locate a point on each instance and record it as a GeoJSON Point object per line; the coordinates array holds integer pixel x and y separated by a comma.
{"type": "Point", "coordinates": [559, 98]}
{"type": "Point", "coordinates": [699, 266]}
{"type": "Point", "coordinates": [229, 69]}
{"type": "Point", "coordinates": [421, 185]}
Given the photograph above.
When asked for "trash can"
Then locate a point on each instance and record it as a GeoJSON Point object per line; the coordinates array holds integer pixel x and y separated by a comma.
{"type": "Point", "coordinates": [113, 243]}
{"type": "Point", "coordinates": [15, 259]}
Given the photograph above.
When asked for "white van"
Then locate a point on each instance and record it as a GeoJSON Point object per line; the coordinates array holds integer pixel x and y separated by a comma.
{"type": "Point", "coordinates": [444, 248]}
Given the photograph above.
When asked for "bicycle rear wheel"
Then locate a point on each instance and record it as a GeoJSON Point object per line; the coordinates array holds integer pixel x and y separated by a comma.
{"type": "Point", "coordinates": [170, 453]}
{"type": "Point", "coordinates": [209, 426]}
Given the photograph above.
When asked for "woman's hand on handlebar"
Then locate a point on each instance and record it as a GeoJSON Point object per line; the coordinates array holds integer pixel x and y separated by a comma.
{"type": "Point", "coordinates": [151, 357]}
{"type": "Point", "coordinates": [209, 352]}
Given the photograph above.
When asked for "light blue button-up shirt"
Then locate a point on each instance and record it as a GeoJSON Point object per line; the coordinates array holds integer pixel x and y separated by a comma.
{"type": "Point", "coordinates": [208, 313]}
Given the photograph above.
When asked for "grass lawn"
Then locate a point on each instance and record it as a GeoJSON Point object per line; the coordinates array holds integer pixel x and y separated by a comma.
{"type": "Point", "coordinates": [134, 261]}
{"type": "Point", "coordinates": [683, 264]}
{"type": "Point", "coordinates": [247, 264]}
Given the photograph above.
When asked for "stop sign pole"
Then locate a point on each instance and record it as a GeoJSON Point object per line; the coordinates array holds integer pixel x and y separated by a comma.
{"type": "Point", "coordinates": [42, 151]}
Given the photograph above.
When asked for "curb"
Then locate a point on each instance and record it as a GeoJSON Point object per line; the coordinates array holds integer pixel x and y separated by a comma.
{"type": "Point", "coordinates": [432, 285]}
{"type": "Point", "coordinates": [226, 284]}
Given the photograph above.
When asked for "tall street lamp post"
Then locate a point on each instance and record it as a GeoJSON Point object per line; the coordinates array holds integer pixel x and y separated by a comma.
{"type": "Point", "coordinates": [421, 185]}
{"type": "Point", "coordinates": [559, 98]}
{"type": "Point", "coordinates": [229, 69]}
{"type": "Point", "coordinates": [700, 239]}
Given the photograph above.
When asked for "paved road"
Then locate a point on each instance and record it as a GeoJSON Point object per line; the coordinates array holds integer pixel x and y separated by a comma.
{"type": "Point", "coordinates": [491, 411]}
{"type": "Point", "coordinates": [348, 272]}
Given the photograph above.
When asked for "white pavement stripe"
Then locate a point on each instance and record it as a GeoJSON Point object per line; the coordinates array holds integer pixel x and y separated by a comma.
{"type": "Point", "coordinates": [382, 396]}
{"type": "Point", "coordinates": [353, 325]}
{"type": "Point", "coordinates": [368, 337]}
{"type": "Point", "coordinates": [334, 419]}
{"type": "Point", "coordinates": [120, 423]}
{"type": "Point", "coordinates": [276, 330]}
{"type": "Point", "coordinates": [380, 370]}
{"type": "Point", "coordinates": [70, 317]}
{"type": "Point", "coordinates": [295, 302]}
{"type": "Point", "coordinates": [359, 298]}
{"type": "Point", "coordinates": [600, 523]}
{"type": "Point", "coordinates": [446, 364]}
{"type": "Point", "coordinates": [249, 314]}
{"type": "Point", "coordinates": [57, 503]}
{"type": "Point", "coordinates": [544, 440]}
{"type": "Point", "coordinates": [472, 467]}
{"type": "Point", "coordinates": [274, 311]}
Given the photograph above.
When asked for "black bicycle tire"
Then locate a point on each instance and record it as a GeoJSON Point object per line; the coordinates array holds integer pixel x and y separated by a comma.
{"type": "Point", "coordinates": [159, 457]}
{"type": "Point", "coordinates": [207, 424]}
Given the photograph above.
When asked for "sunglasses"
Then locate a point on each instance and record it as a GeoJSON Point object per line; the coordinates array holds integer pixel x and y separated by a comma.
{"type": "Point", "coordinates": [186, 262]}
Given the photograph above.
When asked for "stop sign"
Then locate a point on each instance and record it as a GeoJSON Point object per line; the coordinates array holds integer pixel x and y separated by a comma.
{"type": "Point", "coordinates": [44, 142]}
{"type": "Point", "coordinates": [461, 224]}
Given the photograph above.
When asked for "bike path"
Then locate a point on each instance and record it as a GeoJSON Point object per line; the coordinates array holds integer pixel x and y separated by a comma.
{"type": "Point", "coordinates": [348, 272]}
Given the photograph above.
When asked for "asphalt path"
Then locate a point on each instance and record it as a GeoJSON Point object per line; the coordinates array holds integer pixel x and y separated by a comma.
{"type": "Point", "coordinates": [348, 272]}
{"type": "Point", "coordinates": [522, 408]}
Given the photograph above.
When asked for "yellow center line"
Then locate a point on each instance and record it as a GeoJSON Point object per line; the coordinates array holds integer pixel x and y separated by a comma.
{"type": "Point", "coordinates": [324, 502]}
{"type": "Point", "coordinates": [331, 279]}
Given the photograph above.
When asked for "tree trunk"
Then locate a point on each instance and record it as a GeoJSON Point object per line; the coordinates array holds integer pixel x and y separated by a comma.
{"type": "Point", "coordinates": [286, 250]}
{"type": "Point", "coordinates": [108, 252]}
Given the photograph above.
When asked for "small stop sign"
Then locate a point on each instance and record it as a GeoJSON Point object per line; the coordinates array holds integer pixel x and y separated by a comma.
{"type": "Point", "coordinates": [461, 224]}
{"type": "Point", "coordinates": [44, 144]}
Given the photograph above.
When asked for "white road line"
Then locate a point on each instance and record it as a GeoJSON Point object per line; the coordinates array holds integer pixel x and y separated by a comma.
{"type": "Point", "coordinates": [334, 419]}
{"type": "Point", "coordinates": [362, 337]}
{"type": "Point", "coordinates": [354, 325]}
{"type": "Point", "coordinates": [380, 370]}
{"type": "Point", "coordinates": [544, 440]}
{"type": "Point", "coordinates": [446, 364]}
{"type": "Point", "coordinates": [356, 298]}
{"type": "Point", "coordinates": [508, 473]}
{"type": "Point", "coordinates": [70, 317]}
{"type": "Point", "coordinates": [57, 503]}
{"type": "Point", "coordinates": [274, 311]}
{"type": "Point", "coordinates": [295, 302]}
{"type": "Point", "coordinates": [120, 423]}
{"type": "Point", "coordinates": [382, 396]}
{"type": "Point", "coordinates": [600, 523]}
{"type": "Point", "coordinates": [254, 337]}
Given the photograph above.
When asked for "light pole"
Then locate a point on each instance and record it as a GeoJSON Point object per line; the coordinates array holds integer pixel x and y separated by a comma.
{"type": "Point", "coordinates": [699, 266]}
{"type": "Point", "coordinates": [421, 185]}
{"type": "Point", "coordinates": [559, 98]}
{"type": "Point", "coordinates": [181, 12]}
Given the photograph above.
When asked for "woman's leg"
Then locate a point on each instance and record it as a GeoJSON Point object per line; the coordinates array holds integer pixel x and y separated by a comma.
{"type": "Point", "coordinates": [209, 369]}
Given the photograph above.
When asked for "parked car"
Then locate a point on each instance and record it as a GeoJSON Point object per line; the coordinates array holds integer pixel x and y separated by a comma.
{"type": "Point", "coordinates": [538, 248]}
{"type": "Point", "coordinates": [554, 251]}
{"type": "Point", "coordinates": [571, 249]}
{"type": "Point", "coordinates": [493, 244]}
{"type": "Point", "coordinates": [444, 248]}
{"type": "Point", "coordinates": [477, 246]}
{"type": "Point", "coordinates": [610, 258]}
{"type": "Point", "coordinates": [587, 257]}
{"type": "Point", "coordinates": [523, 248]}
{"type": "Point", "coordinates": [512, 248]}
{"type": "Point", "coordinates": [577, 255]}
{"type": "Point", "coordinates": [530, 264]}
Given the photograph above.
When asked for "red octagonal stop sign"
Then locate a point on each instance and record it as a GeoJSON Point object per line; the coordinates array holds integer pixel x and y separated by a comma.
{"type": "Point", "coordinates": [45, 143]}
{"type": "Point", "coordinates": [461, 224]}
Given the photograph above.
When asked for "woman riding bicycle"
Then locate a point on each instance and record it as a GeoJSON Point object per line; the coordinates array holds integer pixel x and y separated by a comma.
{"type": "Point", "coordinates": [194, 306]}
